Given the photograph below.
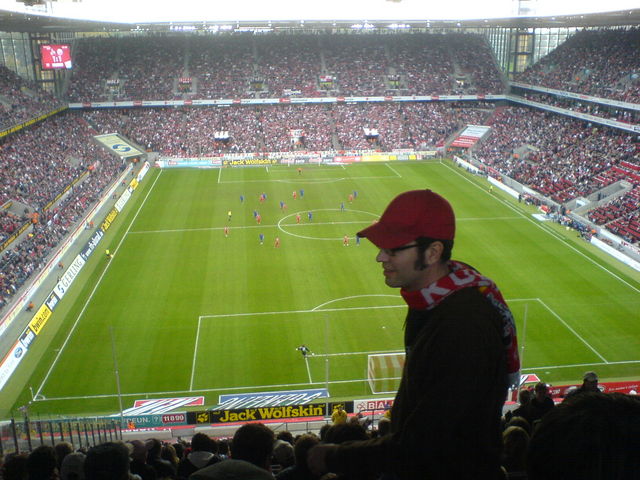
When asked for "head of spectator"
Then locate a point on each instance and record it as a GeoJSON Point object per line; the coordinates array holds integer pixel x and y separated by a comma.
{"type": "Point", "coordinates": [323, 431]}
{"type": "Point", "coordinates": [14, 467]}
{"type": "Point", "coordinates": [223, 448]}
{"type": "Point", "coordinates": [541, 391]}
{"type": "Point", "coordinates": [108, 461]}
{"type": "Point", "coordinates": [520, 422]}
{"type": "Point", "coordinates": [345, 432]}
{"type": "Point", "coordinates": [303, 444]}
{"type": "Point", "coordinates": [62, 450]}
{"type": "Point", "coordinates": [253, 442]}
{"type": "Point", "coordinates": [202, 442]}
{"type": "Point", "coordinates": [154, 447]}
{"type": "Point", "coordinates": [587, 437]}
{"type": "Point", "coordinates": [73, 466]}
{"type": "Point", "coordinates": [179, 448]}
{"type": "Point", "coordinates": [283, 454]}
{"type": "Point", "coordinates": [286, 435]}
{"type": "Point", "coordinates": [168, 453]}
{"type": "Point", "coordinates": [42, 463]}
{"type": "Point", "coordinates": [524, 396]}
{"type": "Point", "coordinates": [590, 382]}
{"type": "Point", "coordinates": [138, 451]}
{"type": "Point", "coordinates": [515, 441]}
{"type": "Point", "coordinates": [384, 426]}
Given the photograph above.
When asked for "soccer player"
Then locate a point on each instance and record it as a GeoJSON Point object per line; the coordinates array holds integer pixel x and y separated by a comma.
{"type": "Point", "coordinates": [241, 198]}
{"type": "Point", "coordinates": [310, 216]}
{"type": "Point", "coordinates": [276, 243]}
{"type": "Point", "coordinates": [259, 219]}
{"type": "Point", "coordinates": [350, 198]}
{"type": "Point", "coordinates": [261, 238]}
{"type": "Point", "coordinates": [342, 206]}
{"type": "Point", "coordinates": [229, 216]}
{"type": "Point", "coordinates": [304, 350]}
{"type": "Point", "coordinates": [345, 241]}
{"type": "Point", "coordinates": [459, 338]}
{"type": "Point", "coordinates": [301, 193]}
{"type": "Point", "coordinates": [281, 205]}
{"type": "Point", "coordinates": [297, 218]}
{"type": "Point", "coordinates": [226, 231]}
{"type": "Point", "coordinates": [299, 171]}
{"type": "Point", "coordinates": [294, 194]}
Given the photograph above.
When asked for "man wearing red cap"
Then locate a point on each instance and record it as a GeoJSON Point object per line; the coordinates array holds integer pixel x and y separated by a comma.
{"type": "Point", "coordinates": [461, 355]}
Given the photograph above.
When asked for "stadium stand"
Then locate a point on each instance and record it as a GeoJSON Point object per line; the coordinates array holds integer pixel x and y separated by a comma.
{"type": "Point", "coordinates": [603, 63]}
{"type": "Point", "coordinates": [21, 101]}
{"type": "Point", "coordinates": [273, 66]}
{"type": "Point", "coordinates": [565, 159]}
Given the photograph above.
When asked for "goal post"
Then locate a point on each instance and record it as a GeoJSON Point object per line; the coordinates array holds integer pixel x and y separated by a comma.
{"type": "Point", "coordinates": [384, 371]}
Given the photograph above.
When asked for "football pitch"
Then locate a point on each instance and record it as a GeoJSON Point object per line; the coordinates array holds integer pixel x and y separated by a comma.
{"type": "Point", "coordinates": [185, 309]}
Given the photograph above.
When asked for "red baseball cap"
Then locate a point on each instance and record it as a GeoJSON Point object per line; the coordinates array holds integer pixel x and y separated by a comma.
{"type": "Point", "coordinates": [412, 214]}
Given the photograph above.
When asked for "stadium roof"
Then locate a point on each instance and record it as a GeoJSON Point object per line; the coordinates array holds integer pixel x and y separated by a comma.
{"type": "Point", "coordinates": [35, 22]}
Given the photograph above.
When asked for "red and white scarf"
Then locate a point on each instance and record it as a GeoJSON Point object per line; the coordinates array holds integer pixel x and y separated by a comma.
{"type": "Point", "coordinates": [464, 276]}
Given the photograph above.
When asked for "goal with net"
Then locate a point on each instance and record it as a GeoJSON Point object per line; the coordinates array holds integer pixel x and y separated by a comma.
{"type": "Point", "coordinates": [384, 371]}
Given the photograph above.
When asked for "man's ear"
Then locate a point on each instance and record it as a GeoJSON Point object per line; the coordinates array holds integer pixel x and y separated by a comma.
{"type": "Point", "coordinates": [433, 253]}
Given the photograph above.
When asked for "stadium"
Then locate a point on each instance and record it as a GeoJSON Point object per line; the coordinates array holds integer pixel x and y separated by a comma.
{"type": "Point", "coordinates": [180, 201]}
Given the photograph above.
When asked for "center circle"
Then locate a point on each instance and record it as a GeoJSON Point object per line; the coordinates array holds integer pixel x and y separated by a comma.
{"type": "Point", "coordinates": [304, 221]}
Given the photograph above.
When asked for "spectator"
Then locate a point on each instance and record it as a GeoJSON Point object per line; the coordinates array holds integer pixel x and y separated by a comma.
{"type": "Point", "coordinates": [540, 404]}
{"type": "Point", "coordinates": [203, 453]}
{"type": "Point", "coordinates": [163, 468]}
{"type": "Point", "coordinates": [300, 470]}
{"type": "Point", "coordinates": [73, 466]}
{"type": "Point", "coordinates": [589, 384]}
{"type": "Point", "coordinates": [251, 451]}
{"type": "Point", "coordinates": [42, 464]}
{"type": "Point", "coordinates": [139, 465]}
{"type": "Point", "coordinates": [14, 467]}
{"type": "Point", "coordinates": [456, 337]}
{"type": "Point", "coordinates": [108, 461]}
{"type": "Point", "coordinates": [515, 442]}
{"type": "Point", "coordinates": [593, 436]}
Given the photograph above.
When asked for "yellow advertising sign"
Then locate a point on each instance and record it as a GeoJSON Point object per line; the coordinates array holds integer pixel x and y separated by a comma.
{"type": "Point", "coordinates": [40, 319]}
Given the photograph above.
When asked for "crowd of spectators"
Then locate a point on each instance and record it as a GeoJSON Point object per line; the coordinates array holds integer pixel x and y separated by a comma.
{"type": "Point", "coordinates": [245, 66]}
{"type": "Point", "coordinates": [562, 158]}
{"type": "Point", "coordinates": [190, 132]}
{"type": "Point", "coordinates": [595, 109]}
{"type": "Point", "coordinates": [621, 216]}
{"type": "Point", "coordinates": [21, 100]}
{"type": "Point", "coordinates": [602, 63]}
{"type": "Point", "coordinates": [38, 165]}
{"type": "Point", "coordinates": [539, 442]}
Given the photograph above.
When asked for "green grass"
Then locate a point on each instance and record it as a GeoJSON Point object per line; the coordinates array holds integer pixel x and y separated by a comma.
{"type": "Point", "coordinates": [194, 313]}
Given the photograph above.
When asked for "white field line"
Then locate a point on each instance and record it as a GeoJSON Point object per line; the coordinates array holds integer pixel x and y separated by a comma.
{"type": "Point", "coordinates": [306, 361]}
{"type": "Point", "coordinates": [573, 331]}
{"type": "Point", "coordinates": [95, 288]}
{"type": "Point", "coordinates": [394, 170]}
{"type": "Point", "coordinates": [355, 222]}
{"type": "Point", "coordinates": [548, 230]}
{"type": "Point", "coordinates": [219, 174]}
{"type": "Point", "coordinates": [291, 385]}
{"type": "Point", "coordinates": [308, 180]}
{"type": "Point", "coordinates": [195, 354]}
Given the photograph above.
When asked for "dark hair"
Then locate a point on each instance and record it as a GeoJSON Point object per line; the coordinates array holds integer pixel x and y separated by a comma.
{"type": "Point", "coordinates": [41, 463]}
{"type": "Point", "coordinates": [253, 442]}
{"type": "Point", "coordinates": [587, 437]}
{"type": "Point", "coordinates": [202, 442]}
{"type": "Point", "coordinates": [423, 245]}
{"type": "Point", "coordinates": [108, 461]}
